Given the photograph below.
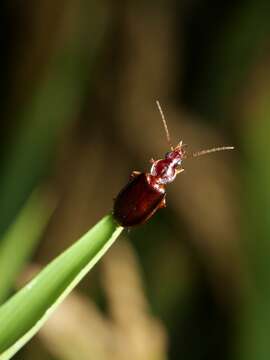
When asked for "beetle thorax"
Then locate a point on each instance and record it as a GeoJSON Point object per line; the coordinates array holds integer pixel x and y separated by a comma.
{"type": "Point", "coordinates": [164, 171]}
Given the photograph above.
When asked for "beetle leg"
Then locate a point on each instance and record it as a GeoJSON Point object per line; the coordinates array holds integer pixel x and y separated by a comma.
{"type": "Point", "coordinates": [178, 171]}
{"type": "Point", "coordinates": [134, 174]}
{"type": "Point", "coordinates": [163, 203]}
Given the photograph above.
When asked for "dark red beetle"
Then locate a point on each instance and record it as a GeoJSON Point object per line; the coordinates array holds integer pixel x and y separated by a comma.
{"type": "Point", "coordinates": [145, 192]}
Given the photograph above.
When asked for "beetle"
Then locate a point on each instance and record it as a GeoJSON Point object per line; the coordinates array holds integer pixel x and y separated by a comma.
{"type": "Point", "coordinates": [145, 193]}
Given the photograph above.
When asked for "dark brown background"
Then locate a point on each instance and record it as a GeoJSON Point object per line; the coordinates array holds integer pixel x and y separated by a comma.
{"type": "Point", "coordinates": [78, 114]}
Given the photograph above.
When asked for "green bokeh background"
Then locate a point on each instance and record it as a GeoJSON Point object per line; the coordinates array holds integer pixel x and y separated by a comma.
{"type": "Point", "coordinates": [78, 114]}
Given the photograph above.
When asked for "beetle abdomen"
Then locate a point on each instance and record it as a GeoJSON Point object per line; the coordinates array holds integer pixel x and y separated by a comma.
{"type": "Point", "coordinates": [137, 201]}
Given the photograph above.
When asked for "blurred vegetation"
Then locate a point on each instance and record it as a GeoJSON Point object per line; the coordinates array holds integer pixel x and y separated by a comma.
{"type": "Point", "coordinates": [79, 84]}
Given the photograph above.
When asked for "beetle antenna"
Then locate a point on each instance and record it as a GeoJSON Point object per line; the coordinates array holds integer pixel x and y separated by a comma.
{"type": "Point", "coordinates": [165, 125]}
{"type": "Point", "coordinates": [208, 151]}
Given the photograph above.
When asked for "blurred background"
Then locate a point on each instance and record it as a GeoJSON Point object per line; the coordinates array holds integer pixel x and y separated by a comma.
{"type": "Point", "coordinates": [78, 114]}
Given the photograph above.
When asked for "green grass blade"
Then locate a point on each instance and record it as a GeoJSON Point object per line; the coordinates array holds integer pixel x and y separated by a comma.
{"type": "Point", "coordinates": [21, 239]}
{"type": "Point", "coordinates": [23, 315]}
